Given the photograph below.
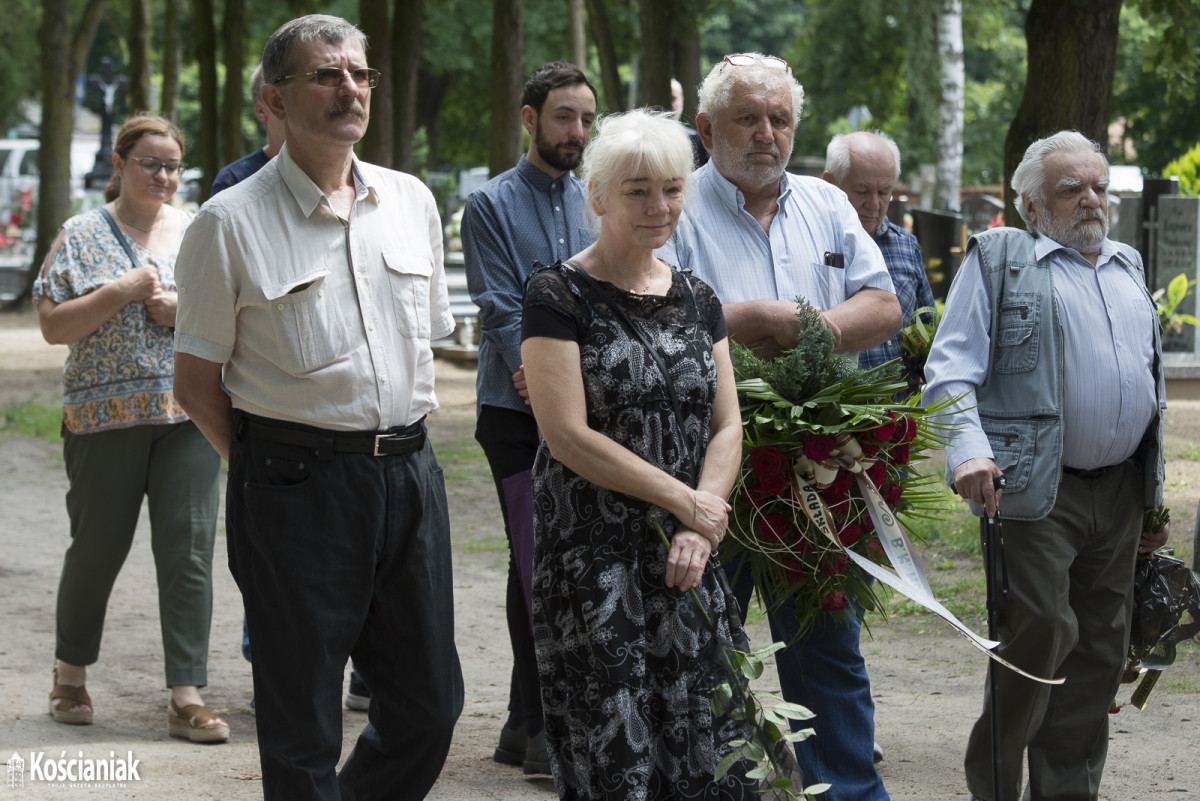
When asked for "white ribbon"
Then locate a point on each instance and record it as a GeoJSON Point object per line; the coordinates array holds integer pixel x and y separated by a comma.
{"type": "Point", "coordinates": [909, 577]}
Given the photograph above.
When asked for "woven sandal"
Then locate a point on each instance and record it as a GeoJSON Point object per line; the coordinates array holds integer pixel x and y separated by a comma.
{"type": "Point", "coordinates": [187, 723]}
{"type": "Point", "coordinates": [76, 696]}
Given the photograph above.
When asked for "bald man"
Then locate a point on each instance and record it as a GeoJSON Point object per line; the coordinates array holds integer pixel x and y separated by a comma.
{"type": "Point", "coordinates": [866, 166]}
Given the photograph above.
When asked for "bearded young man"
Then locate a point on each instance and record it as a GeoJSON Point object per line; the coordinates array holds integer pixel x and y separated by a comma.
{"type": "Point", "coordinates": [533, 212]}
{"type": "Point", "coordinates": [1050, 344]}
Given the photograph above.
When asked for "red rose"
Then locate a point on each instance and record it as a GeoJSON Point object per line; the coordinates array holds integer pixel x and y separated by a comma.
{"type": "Point", "coordinates": [899, 454]}
{"type": "Point", "coordinates": [842, 483]}
{"type": "Point", "coordinates": [883, 432]}
{"type": "Point", "coordinates": [850, 534]}
{"type": "Point", "coordinates": [910, 432]}
{"type": "Point", "coordinates": [891, 494]}
{"type": "Point", "coordinates": [774, 484]}
{"type": "Point", "coordinates": [833, 601]}
{"type": "Point", "coordinates": [767, 460]}
{"type": "Point", "coordinates": [818, 446]}
{"type": "Point", "coordinates": [800, 543]}
{"type": "Point", "coordinates": [835, 565]}
{"type": "Point", "coordinates": [756, 496]}
{"type": "Point", "coordinates": [793, 569]}
{"type": "Point", "coordinates": [868, 448]}
{"type": "Point", "coordinates": [876, 549]}
{"type": "Point", "coordinates": [773, 526]}
{"type": "Point", "coordinates": [877, 473]}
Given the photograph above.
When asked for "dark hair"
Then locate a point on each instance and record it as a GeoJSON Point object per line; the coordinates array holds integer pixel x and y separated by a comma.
{"type": "Point", "coordinates": [552, 76]}
{"type": "Point", "coordinates": [130, 134]}
{"type": "Point", "coordinates": [277, 54]}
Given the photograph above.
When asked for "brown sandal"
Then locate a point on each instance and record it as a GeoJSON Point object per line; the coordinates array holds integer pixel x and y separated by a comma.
{"type": "Point", "coordinates": [187, 723]}
{"type": "Point", "coordinates": [76, 695]}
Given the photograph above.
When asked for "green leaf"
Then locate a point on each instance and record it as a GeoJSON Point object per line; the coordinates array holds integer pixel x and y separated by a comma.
{"type": "Point", "coordinates": [817, 789]}
{"type": "Point", "coordinates": [722, 699]}
{"type": "Point", "coordinates": [759, 772]}
{"type": "Point", "coordinates": [730, 759]}
{"type": "Point", "coordinates": [799, 736]}
{"type": "Point", "coordinates": [794, 711]}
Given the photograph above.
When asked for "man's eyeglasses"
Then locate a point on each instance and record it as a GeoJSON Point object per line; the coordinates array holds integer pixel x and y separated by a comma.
{"type": "Point", "coordinates": [150, 166]}
{"type": "Point", "coordinates": [748, 60]}
{"type": "Point", "coordinates": [363, 77]}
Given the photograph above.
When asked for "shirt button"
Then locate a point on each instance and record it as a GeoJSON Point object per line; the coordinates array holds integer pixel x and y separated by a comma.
{"type": "Point", "coordinates": [561, 241]}
{"type": "Point", "coordinates": [280, 307]}
{"type": "Point", "coordinates": [558, 208]}
{"type": "Point", "coordinates": [320, 293]}
{"type": "Point", "coordinates": [370, 328]}
{"type": "Point", "coordinates": [383, 380]}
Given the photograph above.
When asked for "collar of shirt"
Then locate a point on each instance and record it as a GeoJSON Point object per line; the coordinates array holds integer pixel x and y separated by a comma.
{"type": "Point", "coordinates": [537, 179]}
{"type": "Point", "coordinates": [1043, 246]}
{"type": "Point", "coordinates": [308, 195]}
{"type": "Point", "coordinates": [731, 197]}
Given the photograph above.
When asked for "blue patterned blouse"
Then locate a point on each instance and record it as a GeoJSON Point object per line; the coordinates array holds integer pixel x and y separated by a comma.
{"type": "Point", "coordinates": [120, 375]}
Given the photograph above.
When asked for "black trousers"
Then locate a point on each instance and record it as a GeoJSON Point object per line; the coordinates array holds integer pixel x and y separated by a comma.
{"type": "Point", "coordinates": [343, 555]}
{"type": "Point", "coordinates": [510, 441]}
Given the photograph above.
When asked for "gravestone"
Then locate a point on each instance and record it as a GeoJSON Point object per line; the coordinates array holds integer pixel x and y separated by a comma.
{"type": "Point", "coordinates": [979, 211]}
{"type": "Point", "coordinates": [1178, 252]}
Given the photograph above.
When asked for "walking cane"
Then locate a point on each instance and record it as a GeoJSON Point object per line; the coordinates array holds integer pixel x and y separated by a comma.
{"type": "Point", "coordinates": [993, 543]}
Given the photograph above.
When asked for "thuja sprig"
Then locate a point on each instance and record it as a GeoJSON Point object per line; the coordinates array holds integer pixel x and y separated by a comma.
{"type": "Point", "coordinates": [769, 743]}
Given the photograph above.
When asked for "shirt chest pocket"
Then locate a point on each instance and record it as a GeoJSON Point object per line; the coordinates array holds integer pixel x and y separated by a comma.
{"type": "Point", "coordinates": [308, 325]}
{"type": "Point", "coordinates": [409, 276]}
{"type": "Point", "coordinates": [1017, 333]}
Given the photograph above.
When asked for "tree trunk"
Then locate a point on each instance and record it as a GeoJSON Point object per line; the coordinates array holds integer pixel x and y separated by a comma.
{"type": "Point", "coordinates": [948, 191]}
{"type": "Point", "coordinates": [139, 55]}
{"type": "Point", "coordinates": [655, 19]}
{"type": "Point", "coordinates": [610, 77]}
{"type": "Point", "coordinates": [233, 99]}
{"type": "Point", "coordinates": [505, 84]}
{"type": "Point", "coordinates": [169, 101]}
{"type": "Point", "coordinates": [578, 40]}
{"type": "Point", "coordinates": [206, 61]}
{"type": "Point", "coordinates": [376, 147]}
{"type": "Point", "coordinates": [687, 57]}
{"type": "Point", "coordinates": [1068, 85]}
{"type": "Point", "coordinates": [408, 41]}
{"type": "Point", "coordinates": [62, 57]}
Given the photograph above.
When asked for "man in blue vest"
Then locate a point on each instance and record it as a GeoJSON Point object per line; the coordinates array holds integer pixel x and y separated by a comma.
{"type": "Point", "coordinates": [1051, 343]}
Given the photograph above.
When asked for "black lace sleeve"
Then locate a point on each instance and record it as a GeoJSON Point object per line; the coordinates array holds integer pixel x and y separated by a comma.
{"type": "Point", "coordinates": [550, 308]}
{"type": "Point", "coordinates": [709, 306]}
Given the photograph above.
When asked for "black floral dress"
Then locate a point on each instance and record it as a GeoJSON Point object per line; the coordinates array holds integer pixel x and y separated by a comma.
{"type": "Point", "coordinates": [627, 664]}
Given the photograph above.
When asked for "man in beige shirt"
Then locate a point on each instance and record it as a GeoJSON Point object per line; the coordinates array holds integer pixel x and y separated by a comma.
{"type": "Point", "coordinates": [309, 294]}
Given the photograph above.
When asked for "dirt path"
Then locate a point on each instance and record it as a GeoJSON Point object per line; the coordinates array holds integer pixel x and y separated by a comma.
{"type": "Point", "coordinates": [927, 681]}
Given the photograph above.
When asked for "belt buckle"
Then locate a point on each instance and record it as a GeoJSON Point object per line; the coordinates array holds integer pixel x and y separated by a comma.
{"type": "Point", "coordinates": [378, 438]}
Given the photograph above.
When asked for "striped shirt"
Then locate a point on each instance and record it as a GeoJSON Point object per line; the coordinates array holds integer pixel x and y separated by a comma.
{"type": "Point", "coordinates": [1108, 357]}
{"type": "Point", "coordinates": [724, 245]}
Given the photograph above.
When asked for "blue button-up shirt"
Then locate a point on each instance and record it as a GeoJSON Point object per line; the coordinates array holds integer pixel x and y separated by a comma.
{"type": "Point", "coordinates": [238, 171]}
{"type": "Point", "coordinates": [520, 216]}
{"type": "Point", "coordinates": [902, 255]}
{"type": "Point", "coordinates": [724, 245]}
{"type": "Point", "coordinates": [1108, 357]}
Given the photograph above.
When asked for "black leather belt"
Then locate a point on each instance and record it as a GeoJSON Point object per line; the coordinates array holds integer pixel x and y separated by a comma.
{"type": "Point", "coordinates": [394, 442]}
{"type": "Point", "coordinates": [1094, 473]}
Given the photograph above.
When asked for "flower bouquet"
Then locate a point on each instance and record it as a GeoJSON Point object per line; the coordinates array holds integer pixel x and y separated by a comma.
{"type": "Point", "coordinates": [916, 339]}
{"type": "Point", "coordinates": [823, 442]}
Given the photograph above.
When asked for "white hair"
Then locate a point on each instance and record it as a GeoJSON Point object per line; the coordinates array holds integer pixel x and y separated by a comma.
{"type": "Point", "coordinates": [716, 90]}
{"type": "Point", "coordinates": [1029, 178]}
{"type": "Point", "coordinates": [638, 142]}
{"type": "Point", "coordinates": [837, 155]}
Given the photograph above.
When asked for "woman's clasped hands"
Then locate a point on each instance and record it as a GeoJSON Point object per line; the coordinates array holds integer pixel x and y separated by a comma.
{"type": "Point", "coordinates": [692, 544]}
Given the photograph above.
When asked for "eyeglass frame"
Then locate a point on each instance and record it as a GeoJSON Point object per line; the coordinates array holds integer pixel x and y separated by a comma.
{"type": "Point", "coordinates": [774, 62]}
{"type": "Point", "coordinates": [170, 167]}
{"type": "Point", "coordinates": [373, 76]}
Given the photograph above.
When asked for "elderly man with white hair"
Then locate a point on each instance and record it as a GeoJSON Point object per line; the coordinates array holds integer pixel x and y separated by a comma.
{"type": "Point", "coordinates": [866, 166]}
{"type": "Point", "coordinates": [1050, 344]}
{"type": "Point", "coordinates": [761, 238]}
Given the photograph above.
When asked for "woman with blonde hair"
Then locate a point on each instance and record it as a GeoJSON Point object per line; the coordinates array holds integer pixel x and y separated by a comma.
{"type": "Point", "coordinates": [107, 290]}
{"type": "Point", "coordinates": [628, 369]}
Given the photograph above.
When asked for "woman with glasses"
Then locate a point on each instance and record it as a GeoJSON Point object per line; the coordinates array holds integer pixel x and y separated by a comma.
{"type": "Point", "coordinates": [107, 290]}
{"type": "Point", "coordinates": [629, 375]}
